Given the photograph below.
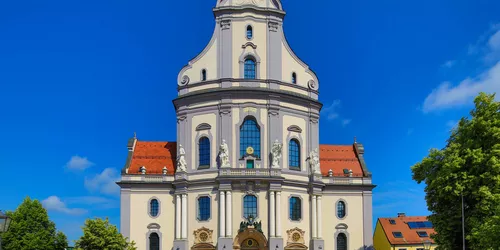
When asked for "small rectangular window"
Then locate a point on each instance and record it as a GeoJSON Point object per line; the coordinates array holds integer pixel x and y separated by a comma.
{"type": "Point", "coordinates": [250, 164]}
{"type": "Point", "coordinates": [397, 234]}
{"type": "Point", "coordinates": [204, 208]}
{"type": "Point", "coordinates": [422, 234]}
{"type": "Point", "coordinates": [393, 222]}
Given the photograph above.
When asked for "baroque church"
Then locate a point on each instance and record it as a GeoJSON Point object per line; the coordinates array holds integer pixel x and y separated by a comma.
{"type": "Point", "coordinates": [247, 170]}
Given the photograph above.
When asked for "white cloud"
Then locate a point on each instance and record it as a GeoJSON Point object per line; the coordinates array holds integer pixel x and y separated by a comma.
{"type": "Point", "coordinates": [331, 113]}
{"type": "Point", "coordinates": [53, 203]}
{"type": "Point", "coordinates": [78, 163]}
{"type": "Point", "coordinates": [96, 201]}
{"type": "Point", "coordinates": [449, 64]}
{"type": "Point", "coordinates": [104, 182]}
{"type": "Point", "coordinates": [447, 96]}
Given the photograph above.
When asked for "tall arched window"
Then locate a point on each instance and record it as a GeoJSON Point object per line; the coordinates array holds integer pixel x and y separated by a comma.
{"type": "Point", "coordinates": [249, 32]}
{"type": "Point", "coordinates": [340, 209]}
{"type": "Point", "coordinates": [250, 137]}
{"type": "Point", "coordinates": [250, 70]}
{"type": "Point", "coordinates": [294, 154]}
{"type": "Point", "coordinates": [154, 241]}
{"type": "Point", "coordinates": [250, 206]}
{"type": "Point", "coordinates": [154, 207]}
{"type": "Point", "coordinates": [341, 241]}
{"type": "Point", "coordinates": [295, 208]}
{"type": "Point", "coordinates": [294, 78]}
{"type": "Point", "coordinates": [204, 152]}
{"type": "Point", "coordinates": [204, 75]}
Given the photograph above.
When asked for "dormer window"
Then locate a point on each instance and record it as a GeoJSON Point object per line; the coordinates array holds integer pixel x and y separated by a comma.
{"type": "Point", "coordinates": [203, 75]}
{"type": "Point", "coordinates": [294, 78]}
{"type": "Point", "coordinates": [249, 32]}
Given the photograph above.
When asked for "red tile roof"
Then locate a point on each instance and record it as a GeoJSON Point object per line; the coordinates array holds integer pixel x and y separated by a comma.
{"type": "Point", "coordinates": [154, 156]}
{"type": "Point", "coordinates": [339, 157]}
{"type": "Point", "coordinates": [410, 236]}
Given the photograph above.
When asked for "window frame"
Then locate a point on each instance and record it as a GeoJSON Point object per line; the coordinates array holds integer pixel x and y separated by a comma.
{"type": "Point", "coordinates": [149, 207]}
{"type": "Point", "coordinates": [204, 166]}
{"type": "Point", "coordinates": [249, 27]}
{"type": "Point", "coordinates": [346, 241]}
{"type": "Point", "coordinates": [424, 232]}
{"type": "Point", "coordinates": [198, 208]}
{"type": "Point", "coordinates": [294, 78]}
{"type": "Point", "coordinates": [337, 209]}
{"type": "Point", "coordinates": [299, 198]}
{"type": "Point", "coordinates": [246, 143]}
{"type": "Point", "coordinates": [397, 232]}
{"type": "Point", "coordinates": [252, 59]}
{"type": "Point", "coordinates": [256, 205]}
{"type": "Point", "coordinates": [149, 240]}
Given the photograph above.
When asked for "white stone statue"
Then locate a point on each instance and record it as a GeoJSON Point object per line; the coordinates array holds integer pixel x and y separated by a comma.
{"type": "Point", "coordinates": [314, 161]}
{"type": "Point", "coordinates": [224, 155]}
{"type": "Point", "coordinates": [276, 152]}
{"type": "Point", "coordinates": [181, 160]}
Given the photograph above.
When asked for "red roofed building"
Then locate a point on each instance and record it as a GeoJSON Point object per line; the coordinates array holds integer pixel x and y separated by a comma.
{"type": "Point", "coordinates": [246, 170]}
{"type": "Point", "coordinates": [404, 233]}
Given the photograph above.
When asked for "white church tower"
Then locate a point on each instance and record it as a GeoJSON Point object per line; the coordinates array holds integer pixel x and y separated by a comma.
{"type": "Point", "coordinates": [247, 170]}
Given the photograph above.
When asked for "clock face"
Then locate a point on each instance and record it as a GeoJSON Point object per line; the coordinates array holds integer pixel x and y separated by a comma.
{"type": "Point", "coordinates": [249, 150]}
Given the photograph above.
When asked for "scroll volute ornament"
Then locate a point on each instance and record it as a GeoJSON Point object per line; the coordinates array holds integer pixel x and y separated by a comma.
{"type": "Point", "coordinates": [295, 235]}
{"type": "Point", "coordinates": [203, 235]}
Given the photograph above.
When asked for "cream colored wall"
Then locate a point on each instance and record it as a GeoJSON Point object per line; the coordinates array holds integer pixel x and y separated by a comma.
{"type": "Point", "coordinates": [286, 223]}
{"type": "Point", "coordinates": [239, 28]}
{"type": "Point", "coordinates": [291, 65]}
{"type": "Point", "coordinates": [287, 122]}
{"type": "Point", "coordinates": [208, 62]}
{"type": "Point", "coordinates": [353, 219]}
{"type": "Point", "coordinates": [140, 219]}
{"type": "Point", "coordinates": [193, 222]}
{"type": "Point", "coordinates": [195, 121]}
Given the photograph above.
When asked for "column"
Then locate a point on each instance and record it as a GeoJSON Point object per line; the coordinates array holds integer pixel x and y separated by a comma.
{"type": "Point", "coordinates": [271, 214]}
{"type": "Point", "coordinates": [320, 223]}
{"type": "Point", "coordinates": [278, 214]}
{"type": "Point", "coordinates": [177, 216]}
{"type": "Point", "coordinates": [222, 214]}
{"type": "Point", "coordinates": [184, 217]}
{"type": "Point", "coordinates": [313, 219]}
{"type": "Point", "coordinates": [229, 214]}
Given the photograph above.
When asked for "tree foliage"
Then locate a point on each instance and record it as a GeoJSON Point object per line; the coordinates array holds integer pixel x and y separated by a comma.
{"type": "Point", "coordinates": [31, 229]}
{"type": "Point", "coordinates": [100, 234]}
{"type": "Point", "coordinates": [469, 165]}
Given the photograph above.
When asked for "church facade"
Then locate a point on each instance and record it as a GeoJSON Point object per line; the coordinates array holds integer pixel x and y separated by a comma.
{"type": "Point", "coordinates": [247, 170]}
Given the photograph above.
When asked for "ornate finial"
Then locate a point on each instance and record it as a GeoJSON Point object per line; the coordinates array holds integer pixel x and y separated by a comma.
{"type": "Point", "coordinates": [355, 140]}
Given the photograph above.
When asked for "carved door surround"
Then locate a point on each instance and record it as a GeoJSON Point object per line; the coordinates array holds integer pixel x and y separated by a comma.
{"type": "Point", "coordinates": [295, 240]}
{"type": "Point", "coordinates": [250, 239]}
{"type": "Point", "coordinates": [203, 239]}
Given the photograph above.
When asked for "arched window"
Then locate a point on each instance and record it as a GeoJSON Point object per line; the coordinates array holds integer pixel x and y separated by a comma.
{"type": "Point", "coordinates": [341, 241]}
{"type": "Point", "coordinates": [154, 207]}
{"type": "Point", "coordinates": [340, 209]}
{"type": "Point", "coordinates": [204, 75]}
{"type": "Point", "coordinates": [294, 154]}
{"type": "Point", "coordinates": [294, 78]}
{"type": "Point", "coordinates": [204, 152]}
{"type": "Point", "coordinates": [204, 208]}
{"type": "Point", "coordinates": [250, 137]}
{"type": "Point", "coordinates": [250, 206]}
{"type": "Point", "coordinates": [250, 72]}
{"type": "Point", "coordinates": [249, 32]}
{"type": "Point", "coordinates": [295, 208]}
{"type": "Point", "coordinates": [154, 241]}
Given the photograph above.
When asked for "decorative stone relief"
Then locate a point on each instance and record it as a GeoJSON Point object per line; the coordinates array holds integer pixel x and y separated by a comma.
{"type": "Point", "coordinates": [276, 152]}
{"type": "Point", "coordinates": [225, 24]}
{"type": "Point", "coordinates": [203, 235]}
{"type": "Point", "coordinates": [184, 81]}
{"type": "Point", "coordinates": [295, 235]}
{"type": "Point", "coordinates": [181, 161]}
{"type": "Point", "coordinates": [312, 85]}
{"type": "Point", "coordinates": [295, 128]}
{"type": "Point", "coordinates": [273, 26]}
{"type": "Point", "coordinates": [244, 46]}
{"type": "Point", "coordinates": [203, 126]}
{"type": "Point", "coordinates": [224, 155]}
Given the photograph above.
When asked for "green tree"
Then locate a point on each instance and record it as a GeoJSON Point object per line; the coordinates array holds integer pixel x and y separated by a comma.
{"type": "Point", "coordinates": [468, 165]}
{"type": "Point", "coordinates": [31, 229]}
{"type": "Point", "coordinates": [99, 234]}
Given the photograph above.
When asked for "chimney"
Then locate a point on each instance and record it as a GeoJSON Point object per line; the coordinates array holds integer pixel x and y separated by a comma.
{"type": "Point", "coordinates": [401, 215]}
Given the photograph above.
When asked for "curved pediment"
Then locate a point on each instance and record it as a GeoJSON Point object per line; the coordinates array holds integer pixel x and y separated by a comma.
{"type": "Point", "coordinates": [341, 226]}
{"type": "Point", "coordinates": [203, 126]}
{"type": "Point", "coordinates": [295, 128]}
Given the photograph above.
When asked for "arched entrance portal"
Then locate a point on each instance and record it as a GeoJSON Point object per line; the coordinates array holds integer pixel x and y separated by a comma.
{"type": "Point", "coordinates": [250, 239]}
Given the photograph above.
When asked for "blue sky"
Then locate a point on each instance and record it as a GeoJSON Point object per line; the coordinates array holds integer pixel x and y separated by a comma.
{"type": "Point", "coordinates": [77, 78]}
